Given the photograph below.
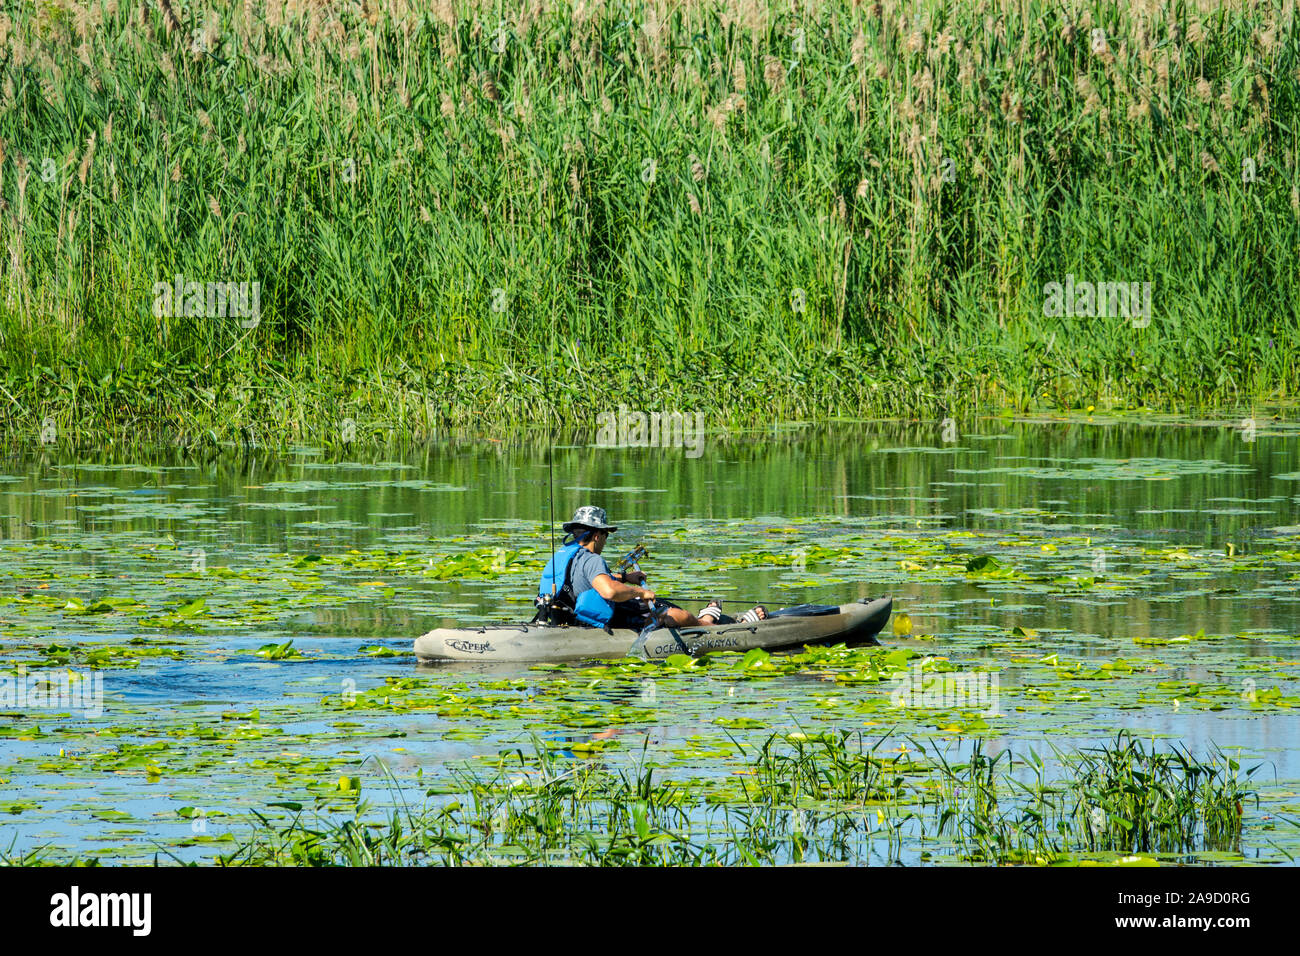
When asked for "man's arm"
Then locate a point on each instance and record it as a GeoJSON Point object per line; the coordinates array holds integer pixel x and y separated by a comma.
{"type": "Point", "coordinates": [617, 591]}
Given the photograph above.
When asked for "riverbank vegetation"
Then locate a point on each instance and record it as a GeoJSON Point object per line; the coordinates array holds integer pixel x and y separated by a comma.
{"type": "Point", "coordinates": [828, 798]}
{"type": "Point", "coordinates": [840, 797]}
{"type": "Point", "coordinates": [459, 213]}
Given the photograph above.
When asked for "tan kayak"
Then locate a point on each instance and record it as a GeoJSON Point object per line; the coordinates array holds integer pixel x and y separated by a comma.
{"type": "Point", "coordinates": [848, 624]}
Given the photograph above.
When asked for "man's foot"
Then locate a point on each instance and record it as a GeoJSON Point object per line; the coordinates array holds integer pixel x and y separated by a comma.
{"type": "Point", "coordinates": [753, 616]}
{"type": "Point", "coordinates": [711, 614]}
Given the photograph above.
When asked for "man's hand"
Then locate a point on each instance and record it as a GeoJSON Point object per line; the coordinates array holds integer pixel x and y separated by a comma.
{"type": "Point", "coordinates": [614, 590]}
{"type": "Point", "coordinates": [634, 577]}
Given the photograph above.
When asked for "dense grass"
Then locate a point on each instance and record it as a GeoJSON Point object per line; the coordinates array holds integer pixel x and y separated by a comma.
{"type": "Point", "coordinates": [829, 798]}
{"type": "Point", "coordinates": [753, 210]}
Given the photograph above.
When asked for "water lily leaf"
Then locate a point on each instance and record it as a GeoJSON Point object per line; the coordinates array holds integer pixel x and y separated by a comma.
{"type": "Point", "coordinates": [279, 652]}
{"type": "Point", "coordinates": [739, 723]}
{"type": "Point", "coordinates": [192, 608]}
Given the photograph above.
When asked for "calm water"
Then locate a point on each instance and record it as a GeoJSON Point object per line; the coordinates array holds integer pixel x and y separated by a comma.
{"type": "Point", "coordinates": [1113, 542]}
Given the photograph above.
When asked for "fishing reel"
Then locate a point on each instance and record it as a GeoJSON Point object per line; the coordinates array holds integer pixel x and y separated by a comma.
{"type": "Point", "coordinates": [550, 611]}
{"type": "Point", "coordinates": [632, 557]}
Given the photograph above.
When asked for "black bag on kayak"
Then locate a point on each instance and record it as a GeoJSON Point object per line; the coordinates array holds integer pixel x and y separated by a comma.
{"type": "Point", "coordinates": [558, 609]}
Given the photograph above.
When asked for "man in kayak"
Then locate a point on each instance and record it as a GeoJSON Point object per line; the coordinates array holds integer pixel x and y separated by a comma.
{"type": "Point", "coordinates": [583, 585]}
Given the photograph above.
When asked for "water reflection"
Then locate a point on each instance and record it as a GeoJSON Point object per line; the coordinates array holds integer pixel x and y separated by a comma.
{"type": "Point", "coordinates": [1051, 495]}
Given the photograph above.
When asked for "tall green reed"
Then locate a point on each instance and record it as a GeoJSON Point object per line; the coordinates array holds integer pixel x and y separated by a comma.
{"type": "Point", "coordinates": [771, 209]}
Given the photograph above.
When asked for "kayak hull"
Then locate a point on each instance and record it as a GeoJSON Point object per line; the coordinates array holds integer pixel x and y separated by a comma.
{"type": "Point", "coordinates": [851, 624]}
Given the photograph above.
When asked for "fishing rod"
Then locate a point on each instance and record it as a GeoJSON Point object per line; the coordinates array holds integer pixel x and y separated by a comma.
{"type": "Point", "coordinates": [545, 611]}
{"type": "Point", "coordinates": [550, 493]}
{"type": "Point", "coordinates": [693, 599]}
{"type": "Point", "coordinates": [631, 559]}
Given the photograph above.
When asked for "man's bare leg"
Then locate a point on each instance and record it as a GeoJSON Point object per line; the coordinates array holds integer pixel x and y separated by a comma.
{"type": "Point", "coordinates": [680, 617]}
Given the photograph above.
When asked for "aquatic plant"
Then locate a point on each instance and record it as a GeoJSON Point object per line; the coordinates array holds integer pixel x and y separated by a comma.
{"type": "Point", "coordinates": [824, 798]}
{"type": "Point", "coordinates": [851, 208]}
{"type": "Point", "coordinates": [1137, 799]}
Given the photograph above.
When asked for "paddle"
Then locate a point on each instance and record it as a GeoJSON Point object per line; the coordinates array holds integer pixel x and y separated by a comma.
{"type": "Point", "coordinates": [656, 623]}
{"type": "Point", "coordinates": [657, 619]}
